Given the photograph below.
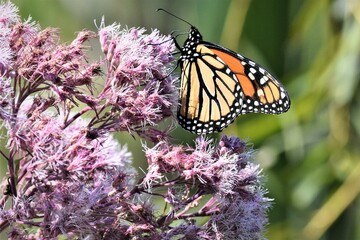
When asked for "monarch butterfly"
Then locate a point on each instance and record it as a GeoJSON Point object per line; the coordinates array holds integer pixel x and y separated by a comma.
{"type": "Point", "coordinates": [218, 84]}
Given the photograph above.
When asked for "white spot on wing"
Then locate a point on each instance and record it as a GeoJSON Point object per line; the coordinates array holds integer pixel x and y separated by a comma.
{"type": "Point", "coordinates": [282, 94]}
{"type": "Point", "coordinates": [251, 76]}
{"type": "Point", "coordinates": [263, 80]}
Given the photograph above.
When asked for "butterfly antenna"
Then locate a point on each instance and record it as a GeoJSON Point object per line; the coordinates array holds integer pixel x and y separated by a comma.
{"type": "Point", "coordinates": [161, 9]}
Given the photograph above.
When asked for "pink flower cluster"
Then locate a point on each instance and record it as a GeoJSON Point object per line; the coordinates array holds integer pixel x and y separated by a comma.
{"type": "Point", "coordinates": [138, 86]}
{"type": "Point", "coordinates": [69, 178]}
{"type": "Point", "coordinates": [219, 178]}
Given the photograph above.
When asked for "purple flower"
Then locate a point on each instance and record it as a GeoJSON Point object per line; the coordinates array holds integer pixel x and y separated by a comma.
{"type": "Point", "coordinates": [241, 216]}
{"type": "Point", "coordinates": [133, 56]}
{"type": "Point", "coordinates": [232, 144]}
{"type": "Point", "coordinates": [237, 208]}
{"type": "Point", "coordinates": [71, 177]}
{"type": "Point", "coordinates": [138, 87]}
{"type": "Point", "coordinates": [9, 14]}
{"type": "Point", "coordinates": [8, 17]}
{"type": "Point", "coordinates": [6, 93]}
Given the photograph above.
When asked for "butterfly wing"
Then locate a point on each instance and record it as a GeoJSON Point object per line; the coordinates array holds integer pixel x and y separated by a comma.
{"type": "Point", "coordinates": [261, 91]}
{"type": "Point", "coordinates": [210, 94]}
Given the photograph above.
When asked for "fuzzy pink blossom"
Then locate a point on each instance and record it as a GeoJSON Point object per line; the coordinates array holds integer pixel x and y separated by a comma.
{"type": "Point", "coordinates": [237, 206]}
{"type": "Point", "coordinates": [138, 87]}
{"type": "Point", "coordinates": [6, 92]}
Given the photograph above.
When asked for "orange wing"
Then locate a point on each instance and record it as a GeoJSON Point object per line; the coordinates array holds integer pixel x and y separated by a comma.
{"type": "Point", "coordinates": [262, 92]}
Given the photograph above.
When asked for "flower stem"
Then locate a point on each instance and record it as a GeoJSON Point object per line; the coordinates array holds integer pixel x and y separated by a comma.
{"type": "Point", "coordinates": [77, 115]}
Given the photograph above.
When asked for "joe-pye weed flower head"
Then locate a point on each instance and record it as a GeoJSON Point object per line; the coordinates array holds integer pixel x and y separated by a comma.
{"type": "Point", "coordinates": [138, 85]}
{"type": "Point", "coordinates": [67, 175]}
{"type": "Point", "coordinates": [219, 181]}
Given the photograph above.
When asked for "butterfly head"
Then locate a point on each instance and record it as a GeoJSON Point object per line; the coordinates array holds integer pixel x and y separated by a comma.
{"type": "Point", "coordinates": [194, 35]}
{"type": "Point", "coordinates": [189, 48]}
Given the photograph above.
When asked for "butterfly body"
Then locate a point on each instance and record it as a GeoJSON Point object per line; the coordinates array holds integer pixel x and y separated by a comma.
{"type": "Point", "coordinates": [218, 84]}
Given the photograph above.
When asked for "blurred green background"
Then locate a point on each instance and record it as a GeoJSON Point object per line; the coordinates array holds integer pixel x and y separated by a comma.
{"type": "Point", "coordinates": [311, 154]}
